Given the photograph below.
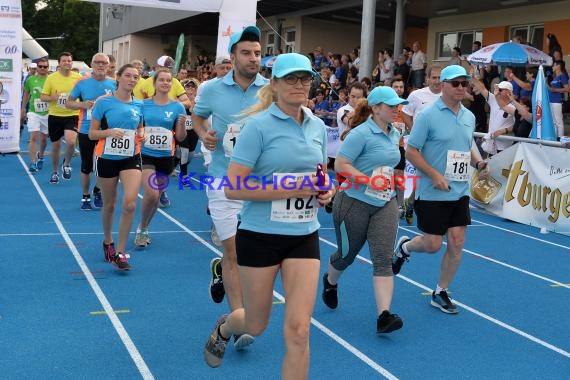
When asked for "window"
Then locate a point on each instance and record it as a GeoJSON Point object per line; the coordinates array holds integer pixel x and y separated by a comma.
{"type": "Point", "coordinates": [464, 40]}
{"type": "Point", "coordinates": [290, 40]}
{"type": "Point", "coordinates": [530, 34]}
{"type": "Point", "coordinates": [270, 45]}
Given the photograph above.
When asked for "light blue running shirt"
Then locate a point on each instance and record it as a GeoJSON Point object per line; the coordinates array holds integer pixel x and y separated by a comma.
{"type": "Point", "coordinates": [437, 131]}
{"type": "Point", "coordinates": [273, 142]}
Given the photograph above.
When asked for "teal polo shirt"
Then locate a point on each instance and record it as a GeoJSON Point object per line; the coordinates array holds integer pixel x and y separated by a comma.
{"type": "Point", "coordinates": [224, 100]}
{"type": "Point", "coordinates": [369, 147]}
{"type": "Point", "coordinates": [273, 142]}
{"type": "Point", "coordinates": [437, 130]}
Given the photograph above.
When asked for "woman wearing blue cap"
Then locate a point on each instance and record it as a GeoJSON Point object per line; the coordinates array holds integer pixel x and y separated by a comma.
{"type": "Point", "coordinates": [279, 227]}
{"type": "Point", "coordinates": [368, 212]}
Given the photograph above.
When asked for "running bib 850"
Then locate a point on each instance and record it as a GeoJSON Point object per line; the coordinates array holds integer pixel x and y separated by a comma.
{"type": "Point", "coordinates": [121, 147]}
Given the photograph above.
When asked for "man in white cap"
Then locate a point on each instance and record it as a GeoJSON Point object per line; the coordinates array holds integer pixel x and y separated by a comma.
{"type": "Point", "coordinates": [225, 99]}
{"type": "Point", "coordinates": [441, 147]}
{"type": "Point", "coordinates": [501, 111]}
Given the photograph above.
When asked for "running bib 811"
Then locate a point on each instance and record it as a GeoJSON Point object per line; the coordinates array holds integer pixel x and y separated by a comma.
{"type": "Point", "coordinates": [40, 106]}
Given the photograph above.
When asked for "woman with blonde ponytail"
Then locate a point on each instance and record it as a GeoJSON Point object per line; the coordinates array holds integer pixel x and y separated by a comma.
{"type": "Point", "coordinates": [272, 169]}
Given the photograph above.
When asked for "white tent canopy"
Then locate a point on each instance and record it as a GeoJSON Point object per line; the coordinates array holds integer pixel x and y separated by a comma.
{"type": "Point", "coordinates": [234, 14]}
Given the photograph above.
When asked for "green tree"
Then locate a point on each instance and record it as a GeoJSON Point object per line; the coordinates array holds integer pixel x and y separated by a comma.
{"type": "Point", "coordinates": [76, 20]}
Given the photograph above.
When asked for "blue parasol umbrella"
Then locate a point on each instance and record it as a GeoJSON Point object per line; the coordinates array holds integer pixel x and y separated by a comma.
{"type": "Point", "coordinates": [510, 54]}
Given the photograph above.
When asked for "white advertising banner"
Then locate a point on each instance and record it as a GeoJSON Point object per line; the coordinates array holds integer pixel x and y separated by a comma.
{"type": "Point", "coordinates": [10, 75]}
{"type": "Point", "coordinates": [529, 184]}
{"type": "Point", "coordinates": [234, 16]}
{"type": "Point", "coordinates": [187, 5]}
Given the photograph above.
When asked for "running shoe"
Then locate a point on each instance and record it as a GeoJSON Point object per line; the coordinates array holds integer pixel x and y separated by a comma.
{"type": "Point", "coordinates": [33, 168]}
{"type": "Point", "coordinates": [399, 256]}
{"type": "Point", "coordinates": [39, 161]}
{"type": "Point", "coordinates": [121, 262]}
{"type": "Point", "coordinates": [97, 199]}
{"type": "Point", "coordinates": [217, 291]}
{"type": "Point", "coordinates": [66, 172]}
{"type": "Point", "coordinates": [54, 179]}
{"type": "Point", "coordinates": [109, 251]}
{"type": "Point", "coordinates": [443, 302]}
{"type": "Point", "coordinates": [142, 238]}
{"type": "Point", "coordinates": [242, 341]}
{"type": "Point", "coordinates": [216, 345]}
{"type": "Point", "coordinates": [164, 201]}
{"type": "Point", "coordinates": [214, 237]}
{"type": "Point", "coordinates": [409, 215]}
{"type": "Point", "coordinates": [86, 204]}
{"type": "Point", "coordinates": [330, 293]}
{"type": "Point", "coordinates": [388, 322]}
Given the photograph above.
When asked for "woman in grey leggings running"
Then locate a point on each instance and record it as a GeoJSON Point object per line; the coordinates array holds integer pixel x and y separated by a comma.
{"type": "Point", "coordinates": [368, 211]}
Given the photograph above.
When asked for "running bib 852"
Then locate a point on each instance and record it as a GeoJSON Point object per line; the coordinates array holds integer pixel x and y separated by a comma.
{"type": "Point", "coordinates": [158, 138]}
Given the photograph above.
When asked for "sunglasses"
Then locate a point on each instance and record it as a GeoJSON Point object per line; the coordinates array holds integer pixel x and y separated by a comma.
{"type": "Point", "coordinates": [293, 79]}
{"type": "Point", "coordinates": [42, 67]}
{"type": "Point", "coordinates": [456, 83]}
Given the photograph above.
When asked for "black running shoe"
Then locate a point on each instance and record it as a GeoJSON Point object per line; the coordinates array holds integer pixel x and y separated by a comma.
{"type": "Point", "coordinates": [330, 293]}
{"type": "Point", "coordinates": [388, 322]}
{"type": "Point", "coordinates": [399, 256]}
{"type": "Point", "coordinates": [217, 291]}
{"type": "Point", "coordinates": [443, 302]}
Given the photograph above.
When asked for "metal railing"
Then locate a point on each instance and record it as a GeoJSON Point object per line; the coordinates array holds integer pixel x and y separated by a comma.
{"type": "Point", "coordinates": [556, 144]}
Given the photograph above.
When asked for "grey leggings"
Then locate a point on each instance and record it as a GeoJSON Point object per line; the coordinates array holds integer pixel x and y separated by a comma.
{"type": "Point", "coordinates": [356, 222]}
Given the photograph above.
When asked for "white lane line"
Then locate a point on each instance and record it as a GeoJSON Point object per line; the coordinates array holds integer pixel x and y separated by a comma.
{"type": "Point", "coordinates": [521, 234]}
{"type": "Point", "coordinates": [121, 331]}
{"type": "Point", "coordinates": [87, 233]}
{"type": "Point", "coordinates": [475, 311]}
{"type": "Point", "coordinates": [557, 283]}
{"type": "Point", "coordinates": [360, 355]}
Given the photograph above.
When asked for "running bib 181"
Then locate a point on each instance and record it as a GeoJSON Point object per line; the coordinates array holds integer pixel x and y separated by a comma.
{"type": "Point", "coordinates": [457, 166]}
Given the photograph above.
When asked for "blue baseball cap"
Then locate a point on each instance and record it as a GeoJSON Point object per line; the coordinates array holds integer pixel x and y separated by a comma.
{"type": "Point", "coordinates": [236, 37]}
{"type": "Point", "coordinates": [453, 71]}
{"type": "Point", "coordinates": [386, 95]}
{"type": "Point", "coordinates": [291, 63]}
